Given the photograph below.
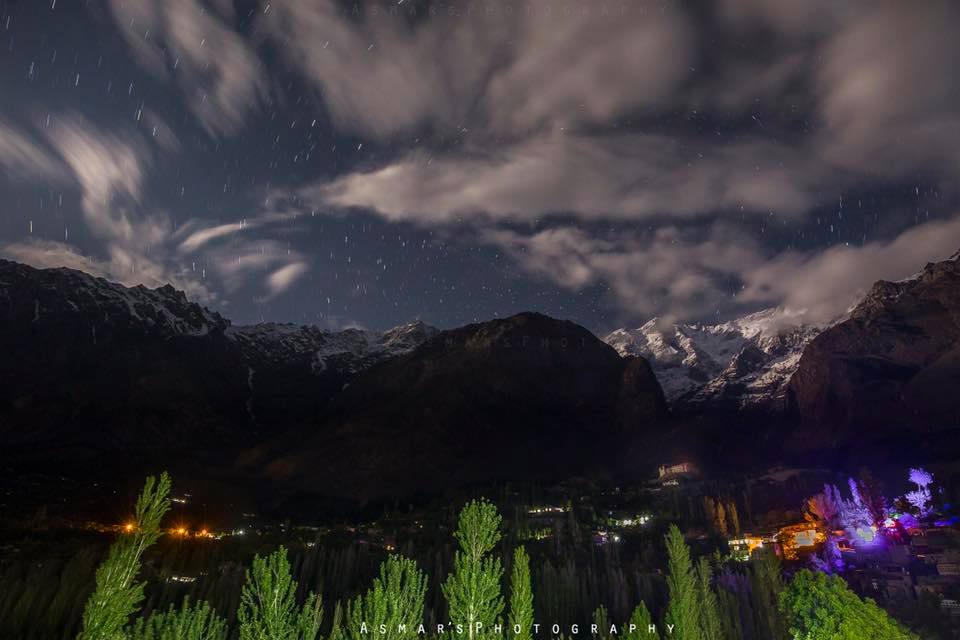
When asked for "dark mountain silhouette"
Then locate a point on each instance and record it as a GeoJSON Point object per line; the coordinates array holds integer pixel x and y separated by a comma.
{"type": "Point", "coordinates": [523, 397]}
{"type": "Point", "coordinates": [890, 371]}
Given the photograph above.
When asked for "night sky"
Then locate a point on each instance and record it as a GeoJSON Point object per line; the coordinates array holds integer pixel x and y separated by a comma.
{"type": "Point", "coordinates": [368, 164]}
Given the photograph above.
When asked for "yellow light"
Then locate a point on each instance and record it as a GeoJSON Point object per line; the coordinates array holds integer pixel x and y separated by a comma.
{"type": "Point", "coordinates": [181, 531]}
{"type": "Point", "coordinates": [129, 527]}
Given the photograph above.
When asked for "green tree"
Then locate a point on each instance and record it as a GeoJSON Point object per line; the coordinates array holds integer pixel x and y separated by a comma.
{"type": "Point", "coordinates": [116, 595]}
{"type": "Point", "coordinates": [640, 623]}
{"type": "Point", "coordinates": [473, 589]}
{"type": "Point", "coordinates": [730, 624]}
{"type": "Point", "coordinates": [766, 585]}
{"type": "Point", "coordinates": [707, 601]}
{"type": "Point", "coordinates": [601, 620]}
{"type": "Point", "coordinates": [268, 606]}
{"type": "Point", "coordinates": [821, 607]}
{"type": "Point", "coordinates": [521, 597]}
{"type": "Point", "coordinates": [190, 622]}
{"type": "Point", "coordinates": [682, 614]}
{"type": "Point", "coordinates": [336, 626]}
{"type": "Point", "coordinates": [394, 604]}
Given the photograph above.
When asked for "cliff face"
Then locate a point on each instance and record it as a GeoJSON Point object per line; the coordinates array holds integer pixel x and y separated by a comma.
{"type": "Point", "coordinates": [892, 369]}
{"type": "Point", "coordinates": [523, 397]}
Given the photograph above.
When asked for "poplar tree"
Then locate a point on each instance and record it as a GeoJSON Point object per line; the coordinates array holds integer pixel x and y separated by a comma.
{"type": "Point", "coordinates": [682, 611]}
{"type": "Point", "coordinates": [521, 597]}
{"type": "Point", "coordinates": [707, 600]}
{"type": "Point", "coordinates": [190, 622]}
{"type": "Point", "coordinates": [472, 591]}
{"type": "Point", "coordinates": [766, 584]}
{"type": "Point", "coordinates": [602, 621]}
{"type": "Point", "coordinates": [641, 621]}
{"type": "Point", "coordinates": [394, 602]}
{"type": "Point", "coordinates": [268, 606]}
{"type": "Point", "coordinates": [116, 594]}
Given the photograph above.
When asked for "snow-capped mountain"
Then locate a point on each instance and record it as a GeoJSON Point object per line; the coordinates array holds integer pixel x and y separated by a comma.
{"type": "Point", "coordinates": [744, 362]}
{"type": "Point", "coordinates": [66, 293]}
{"type": "Point", "coordinates": [352, 350]}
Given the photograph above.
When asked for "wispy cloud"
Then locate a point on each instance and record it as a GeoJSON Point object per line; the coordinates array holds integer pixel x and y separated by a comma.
{"type": "Point", "coordinates": [219, 75]}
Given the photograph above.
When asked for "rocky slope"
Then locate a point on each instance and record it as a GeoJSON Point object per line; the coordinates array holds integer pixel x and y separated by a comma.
{"type": "Point", "coordinates": [523, 397]}
{"type": "Point", "coordinates": [892, 369]}
{"type": "Point", "coordinates": [742, 364]}
{"type": "Point", "coordinates": [91, 365]}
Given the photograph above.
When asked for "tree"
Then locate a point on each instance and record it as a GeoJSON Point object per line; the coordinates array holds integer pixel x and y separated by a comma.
{"type": "Point", "coordinates": [871, 493]}
{"type": "Point", "coordinates": [394, 603]}
{"type": "Point", "coordinates": [830, 558]}
{"type": "Point", "coordinates": [640, 625]}
{"type": "Point", "coordinates": [821, 607]}
{"type": "Point", "coordinates": [682, 612]}
{"type": "Point", "coordinates": [268, 606]}
{"type": "Point", "coordinates": [921, 498]}
{"type": "Point", "coordinates": [472, 591]}
{"type": "Point", "coordinates": [601, 620]}
{"type": "Point", "coordinates": [521, 597]}
{"type": "Point", "coordinates": [856, 516]}
{"type": "Point", "coordinates": [733, 518]}
{"type": "Point", "coordinates": [190, 622]}
{"type": "Point", "coordinates": [824, 508]}
{"type": "Point", "coordinates": [766, 585]}
{"type": "Point", "coordinates": [707, 601]}
{"type": "Point", "coordinates": [116, 595]}
{"type": "Point", "coordinates": [729, 605]}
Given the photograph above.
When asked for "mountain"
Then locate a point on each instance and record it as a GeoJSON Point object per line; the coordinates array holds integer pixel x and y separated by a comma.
{"type": "Point", "coordinates": [104, 379]}
{"type": "Point", "coordinates": [890, 371]}
{"type": "Point", "coordinates": [523, 397]}
{"type": "Point", "coordinates": [742, 364]}
{"type": "Point", "coordinates": [93, 366]}
{"type": "Point", "coordinates": [292, 371]}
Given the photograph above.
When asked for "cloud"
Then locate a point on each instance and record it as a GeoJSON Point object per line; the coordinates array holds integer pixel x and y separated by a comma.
{"type": "Point", "coordinates": [137, 243]}
{"type": "Point", "coordinates": [283, 278]}
{"type": "Point", "coordinates": [680, 274]}
{"type": "Point", "coordinates": [23, 159]}
{"type": "Point", "coordinates": [672, 272]}
{"type": "Point", "coordinates": [219, 75]}
{"type": "Point", "coordinates": [630, 176]}
{"type": "Point", "coordinates": [823, 285]}
{"type": "Point", "coordinates": [504, 67]}
{"type": "Point", "coordinates": [199, 238]}
{"type": "Point", "coordinates": [892, 110]}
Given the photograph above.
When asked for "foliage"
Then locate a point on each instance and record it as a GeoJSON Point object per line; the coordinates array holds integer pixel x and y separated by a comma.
{"type": "Point", "coordinates": [268, 607]}
{"type": "Point", "coordinates": [640, 623]}
{"type": "Point", "coordinates": [707, 600]}
{"type": "Point", "coordinates": [766, 585]}
{"type": "Point", "coordinates": [473, 589]}
{"type": "Point", "coordinates": [682, 611]}
{"type": "Point", "coordinates": [830, 558]}
{"type": "Point", "coordinates": [394, 603]}
{"type": "Point", "coordinates": [190, 622]}
{"type": "Point", "coordinates": [821, 607]}
{"type": "Point", "coordinates": [921, 498]}
{"type": "Point", "coordinates": [824, 509]}
{"type": "Point", "coordinates": [856, 516]}
{"type": "Point", "coordinates": [601, 620]}
{"type": "Point", "coordinates": [116, 595]}
{"type": "Point", "coordinates": [521, 597]}
{"type": "Point", "coordinates": [872, 496]}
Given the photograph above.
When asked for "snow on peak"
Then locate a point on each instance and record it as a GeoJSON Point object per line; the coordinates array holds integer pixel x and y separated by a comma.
{"type": "Point", "coordinates": [60, 291]}
{"type": "Point", "coordinates": [758, 352]}
{"type": "Point", "coordinates": [351, 349]}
